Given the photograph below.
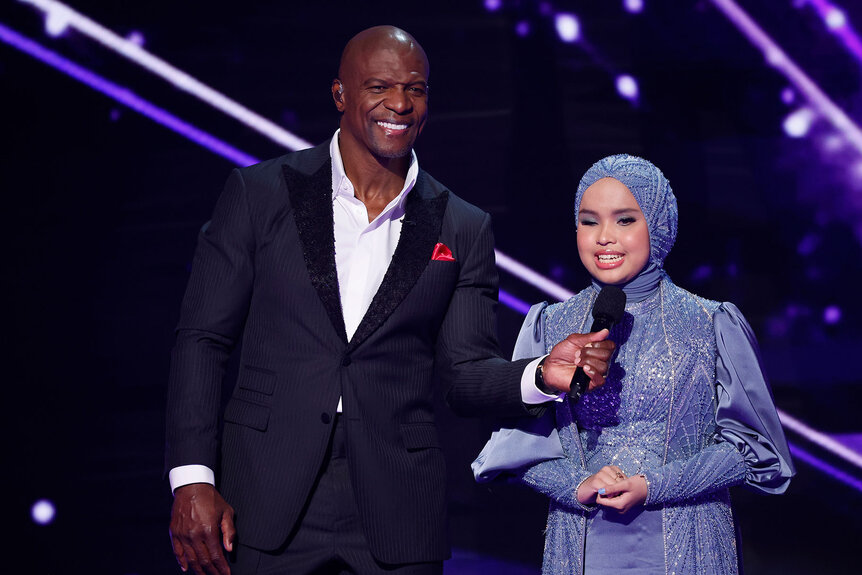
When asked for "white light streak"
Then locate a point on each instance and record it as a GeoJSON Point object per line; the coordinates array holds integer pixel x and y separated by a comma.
{"type": "Point", "coordinates": [175, 76]}
{"type": "Point", "coordinates": [824, 106]}
{"type": "Point", "coordinates": [533, 278]}
{"type": "Point", "coordinates": [820, 438]}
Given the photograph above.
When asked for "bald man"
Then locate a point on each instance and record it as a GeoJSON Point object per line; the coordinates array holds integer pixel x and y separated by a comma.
{"type": "Point", "coordinates": [356, 282]}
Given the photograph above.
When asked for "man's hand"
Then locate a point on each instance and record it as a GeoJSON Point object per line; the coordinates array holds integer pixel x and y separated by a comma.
{"type": "Point", "coordinates": [592, 351]}
{"type": "Point", "coordinates": [200, 516]}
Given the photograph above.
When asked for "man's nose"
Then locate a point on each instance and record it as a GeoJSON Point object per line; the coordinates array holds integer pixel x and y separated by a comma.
{"type": "Point", "coordinates": [399, 102]}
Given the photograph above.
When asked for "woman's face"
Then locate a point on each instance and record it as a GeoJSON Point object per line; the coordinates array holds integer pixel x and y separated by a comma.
{"type": "Point", "coordinates": [613, 237]}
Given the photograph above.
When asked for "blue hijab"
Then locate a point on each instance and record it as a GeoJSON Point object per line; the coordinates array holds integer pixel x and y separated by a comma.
{"type": "Point", "coordinates": [658, 204]}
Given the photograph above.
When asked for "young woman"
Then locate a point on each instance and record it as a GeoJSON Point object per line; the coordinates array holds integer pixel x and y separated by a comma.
{"type": "Point", "coordinates": [639, 485]}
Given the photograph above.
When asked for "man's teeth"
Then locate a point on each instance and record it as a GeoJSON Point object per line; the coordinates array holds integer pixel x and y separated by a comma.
{"type": "Point", "coordinates": [610, 257]}
{"type": "Point", "coordinates": [390, 126]}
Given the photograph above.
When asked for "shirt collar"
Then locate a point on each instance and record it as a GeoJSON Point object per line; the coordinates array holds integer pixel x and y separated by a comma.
{"type": "Point", "coordinates": [342, 184]}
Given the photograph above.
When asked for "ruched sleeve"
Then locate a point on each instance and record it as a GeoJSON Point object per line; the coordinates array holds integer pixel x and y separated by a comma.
{"type": "Point", "coordinates": [527, 441]}
{"type": "Point", "coordinates": [750, 446]}
{"type": "Point", "coordinates": [746, 414]}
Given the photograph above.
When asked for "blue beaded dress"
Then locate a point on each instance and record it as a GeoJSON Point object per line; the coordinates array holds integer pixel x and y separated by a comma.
{"type": "Point", "coordinates": [685, 403]}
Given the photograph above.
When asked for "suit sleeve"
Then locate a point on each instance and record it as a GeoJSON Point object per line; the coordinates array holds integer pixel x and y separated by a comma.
{"type": "Point", "coordinates": [212, 317]}
{"type": "Point", "coordinates": [480, 381]}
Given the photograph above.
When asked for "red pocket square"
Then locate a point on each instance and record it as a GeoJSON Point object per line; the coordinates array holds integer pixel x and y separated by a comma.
{"type": "Point", "coordinates": [442, 253]}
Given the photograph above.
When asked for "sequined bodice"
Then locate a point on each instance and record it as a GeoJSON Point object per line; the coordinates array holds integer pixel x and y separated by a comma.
{"type": "Point", "coordinates": [625, 421]}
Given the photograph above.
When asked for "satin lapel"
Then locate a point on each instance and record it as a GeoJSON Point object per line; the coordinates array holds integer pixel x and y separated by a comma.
{"type": "Point", "coordinates": [311, 198]}
{"type": "Point", "coordinates": [423, 219]}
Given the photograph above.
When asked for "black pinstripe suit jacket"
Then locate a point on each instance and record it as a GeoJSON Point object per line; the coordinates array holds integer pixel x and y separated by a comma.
{"type": "Point", "coordinates": [264, 271]}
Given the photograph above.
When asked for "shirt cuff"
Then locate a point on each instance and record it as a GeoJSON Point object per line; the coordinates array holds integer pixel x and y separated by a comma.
{"type": "Point", "coordinates": [188, 474]}
{"type": "Point", "coordinates": [530, 394]}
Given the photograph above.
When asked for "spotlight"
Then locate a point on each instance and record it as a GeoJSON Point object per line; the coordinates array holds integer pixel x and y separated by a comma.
{"type": "Point", "coordinates": [807, 245]}
{"type": "Point", "coordinates": [633, 6]}
{"type": "Point", "coordinates": [788, 95]}
{"type": "Point", "coordinates": [832, 315]}
{"type": "Point", "coordinates": [522, 28]}
{"type": "Point", "coordinates": [568, 27]}
{"type": "Point", "coordinates": [627, 87]}
{"type": "Point", "coordinates": [835, 18]}
{"type": "Point", "coordinates": [136, 37]}
{"type": "Point", "coordinates": [493, 5]}
{"type": "Point", "coordinates": [43, 512]}
{"type": "Point", "coordinates": [797, 124]}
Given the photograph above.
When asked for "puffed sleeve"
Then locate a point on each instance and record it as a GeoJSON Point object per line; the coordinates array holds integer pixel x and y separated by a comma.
{"type": "Point", "coordinates": [746, 414]}
{"type": "Point", "coordinates": [526, 441]}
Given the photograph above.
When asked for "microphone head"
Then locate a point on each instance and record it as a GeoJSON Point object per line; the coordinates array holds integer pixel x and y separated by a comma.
{"type": "Point", "coordinates": [610, 305]}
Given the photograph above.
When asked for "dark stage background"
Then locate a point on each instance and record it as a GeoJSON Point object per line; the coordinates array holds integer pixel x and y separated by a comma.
{"type": "Point", "coordinates": [102, 206]}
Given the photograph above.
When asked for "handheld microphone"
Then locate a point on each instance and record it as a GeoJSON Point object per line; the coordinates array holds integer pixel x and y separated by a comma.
{"type": "Point", "coordinates": [607, 312]}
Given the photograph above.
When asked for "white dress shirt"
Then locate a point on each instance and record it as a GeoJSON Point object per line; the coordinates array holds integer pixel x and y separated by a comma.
{"type": "Point", "coordinates": [363, 251]}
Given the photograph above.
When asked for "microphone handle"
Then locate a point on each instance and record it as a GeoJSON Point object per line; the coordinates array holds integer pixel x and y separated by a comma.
{"type": "Point", "coordinates": [581, 381]}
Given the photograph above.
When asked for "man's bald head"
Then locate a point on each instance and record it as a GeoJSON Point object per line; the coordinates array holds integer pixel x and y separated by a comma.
{"type": "Point", "coordinates": [382, 94]}
{"type": "Point", "coordinates": [378, 38]}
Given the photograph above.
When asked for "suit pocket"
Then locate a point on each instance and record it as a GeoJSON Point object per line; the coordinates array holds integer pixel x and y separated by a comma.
{"type": "Point", "coordinates": [419, 435]}
{"type": "Point", "coordinates": [247, 414]}
{"type": "Point", "coordinates": [256, 379]}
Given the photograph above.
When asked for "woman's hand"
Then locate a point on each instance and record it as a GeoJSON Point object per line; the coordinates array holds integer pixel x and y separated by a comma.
{"type": "Point", "coordinates": [623, 495]}
{"type": "Point", "coordinates": [593, 485]}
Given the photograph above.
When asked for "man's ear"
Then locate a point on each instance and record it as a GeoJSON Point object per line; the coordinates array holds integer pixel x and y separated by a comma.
{"type": "Point", "coordinates": [337, 91]}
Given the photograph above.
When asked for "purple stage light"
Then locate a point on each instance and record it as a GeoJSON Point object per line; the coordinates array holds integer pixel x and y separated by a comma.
{"type": "Point", "coordinates": [804, 85]}
{"type": "Point", "coordinates": [522, 28]}
{"type": "Point", "coordinates": [493, 5]}
{"type": "Point", "coordinates": [125, 96]}
{"type": "Point", "coordinates": [514, 303]}
{"type": "Point", "coordinates": [701, 273]}
{"type": "Point", "coordinates": [633, 6]}
{"type": "Point", "coordinates": [627, 87]}
{"type": "Point", "coordinates": [832, 314]}
{"type": "Point", "coordinates": [43, 512]}
{"type": "Point", "coordinates": [797, 123]}
{"type": "Point", "coordinates": [832, 143]}
{"type": "Point", "coordinates": [182, 81]}
{"type": "Point", "coordinates": [568, 27]}
{"type": "Point", "coordinates": [788, 95]}
{"type": "Point", "coordinates": [545, 8]}
{"type": "Point", "coordinates": [136, 37]}
{"type": "Point", "coordinates": [836, 21]}
{"type": "Point", "coordinates": [835, 18]}
{"type": "Point", "coordinates": [808, 244]}
{"type": "Point", "coordinates": [802, 455]}
{"type": "Point", "coordinates": [823, 440]}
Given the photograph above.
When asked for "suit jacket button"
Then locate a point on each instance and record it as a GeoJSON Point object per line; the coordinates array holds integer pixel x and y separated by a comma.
{"type": "Point", "coordinates": [346, 361]}
{"type": "Point", "coordinates": [325, 417]}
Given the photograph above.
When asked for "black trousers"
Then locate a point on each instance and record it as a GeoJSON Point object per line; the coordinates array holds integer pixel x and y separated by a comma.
{"type": "Point", "coordinates": [329, 538]}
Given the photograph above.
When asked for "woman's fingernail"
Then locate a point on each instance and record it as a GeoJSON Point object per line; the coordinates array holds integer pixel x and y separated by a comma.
{"type": "Point", "coordinates": [601, 491]}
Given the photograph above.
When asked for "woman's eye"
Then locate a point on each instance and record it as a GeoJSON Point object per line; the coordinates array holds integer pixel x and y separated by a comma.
{"type": "Point", "coordinates": [626, 220]}
{"type": "Point", "coordinates": [588, 222]}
